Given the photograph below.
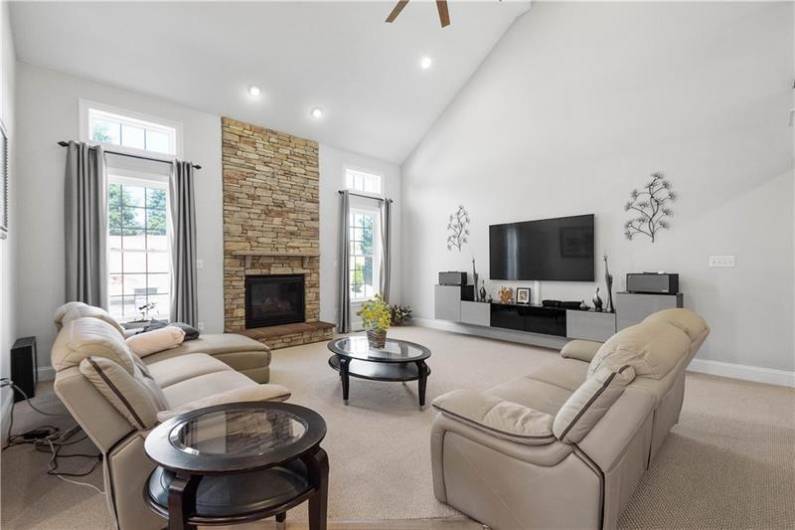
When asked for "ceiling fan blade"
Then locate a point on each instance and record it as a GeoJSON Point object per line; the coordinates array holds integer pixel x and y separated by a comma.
{"type": "Point", "coordinates": [396, 10]}
{"type": "Point", "coordinates": [444, 14]}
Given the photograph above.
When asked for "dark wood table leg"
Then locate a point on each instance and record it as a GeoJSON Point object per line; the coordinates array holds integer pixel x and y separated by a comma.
{"type": "Point", "coordinates": [422, 381]}
{"type": "Point", "coordinates": [318, 503]}
{"type": "Point", "coordinates": [345, 377]}
{"type": "Point", "coordinates": [280, 518]}
{"type": "Point", "coordinates": [182, 501]}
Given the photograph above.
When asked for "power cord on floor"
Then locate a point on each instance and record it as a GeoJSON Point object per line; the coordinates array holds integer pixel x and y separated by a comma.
{"type": "Point", "coordinates": [49, 439]}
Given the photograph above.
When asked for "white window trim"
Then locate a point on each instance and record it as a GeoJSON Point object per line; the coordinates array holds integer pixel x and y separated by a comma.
{"type": "Point", "coordinates": [86, 105]}
{"type": "Point", "coordinates": [362, 169]}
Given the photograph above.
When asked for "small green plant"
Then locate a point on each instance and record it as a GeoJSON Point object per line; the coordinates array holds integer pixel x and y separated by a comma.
{"type": "Point", "coordinates": [375, 314]}
{"type": "Point", "coordinates": [400, 314]}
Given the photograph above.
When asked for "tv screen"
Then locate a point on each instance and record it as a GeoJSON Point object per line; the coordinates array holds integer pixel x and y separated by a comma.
{"type": "Point", "coordinates": [546, 250]}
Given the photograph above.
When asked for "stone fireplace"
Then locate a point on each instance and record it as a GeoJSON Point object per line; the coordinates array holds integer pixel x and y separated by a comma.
{"type": "Point", "coordinates": [271, 230]}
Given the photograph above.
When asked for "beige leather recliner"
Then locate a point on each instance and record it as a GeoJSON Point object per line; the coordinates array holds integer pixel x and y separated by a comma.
{"type": "Point", "coordinates": [244, 354]}
{"type": "Point", "coordinates": [117, 398]}
{"type": "Point", "coordinates": [566, 446]}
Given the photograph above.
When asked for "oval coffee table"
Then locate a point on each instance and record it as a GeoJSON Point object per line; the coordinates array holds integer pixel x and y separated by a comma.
{"type": "Point", "coordinates": [399, 360]}
{"type": "Point", "coordinates": [238, 462]}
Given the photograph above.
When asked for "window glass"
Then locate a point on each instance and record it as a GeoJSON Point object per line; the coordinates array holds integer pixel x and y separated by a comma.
{"type": "Point", "coordinates": [364, 254]}
{"type": "Point", "coordinates": [139, 257]}
{"type": "Point", "coordinates": [126, 131]}
{"type": "Point", "coordinates": [363, 182]}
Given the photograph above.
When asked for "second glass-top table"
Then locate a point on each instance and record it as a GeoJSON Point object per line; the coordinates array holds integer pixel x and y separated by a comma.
{"type": "Point", "coordinates": [399, 360]}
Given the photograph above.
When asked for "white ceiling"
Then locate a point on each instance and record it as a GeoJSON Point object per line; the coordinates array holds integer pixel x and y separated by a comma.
{"type": "Point", "coordinates": [339, 56]}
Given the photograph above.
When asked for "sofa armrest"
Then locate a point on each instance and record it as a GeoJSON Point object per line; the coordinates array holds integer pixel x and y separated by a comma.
{"type": "Point", "coordinates": [267, 392]}
{"type": "Point", "coordinates": [497, 417]}
{"type": "Point", "coordinates": [582, 350]}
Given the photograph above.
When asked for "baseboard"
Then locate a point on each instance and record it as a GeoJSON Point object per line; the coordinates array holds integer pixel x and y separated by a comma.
{"type": "Point", "coordinates": [745, 372]}
{"type": "Point", "coordinates": [46, 373]}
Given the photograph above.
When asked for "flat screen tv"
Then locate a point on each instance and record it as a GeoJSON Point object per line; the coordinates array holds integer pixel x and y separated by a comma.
{"type": "Point", "coordinates": [559, 249]}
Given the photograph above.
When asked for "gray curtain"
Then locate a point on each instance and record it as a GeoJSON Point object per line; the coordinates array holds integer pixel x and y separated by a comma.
{"type": "Point", "coordinates": [343, 266]}
{"type": "Point", "coordinates": [85, 225]}
{"type": "Point", "coordinates": [184, 305]}
{"type": "Point", "coordinates": [386, 247]}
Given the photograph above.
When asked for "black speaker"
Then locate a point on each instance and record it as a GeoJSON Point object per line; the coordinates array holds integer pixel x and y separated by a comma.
{"type": "Point", "coordinates": [24, 367]}
{"type": "Point", "coordinates": [452, 278]}
{"type": "Point", "coordinates": [652, 283]}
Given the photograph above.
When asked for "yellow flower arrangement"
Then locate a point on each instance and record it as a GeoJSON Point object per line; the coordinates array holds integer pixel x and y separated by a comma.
{"type": "Point", "coordinates": [375, 314]}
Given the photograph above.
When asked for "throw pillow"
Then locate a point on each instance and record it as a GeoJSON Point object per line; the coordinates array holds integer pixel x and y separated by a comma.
{"type": "Point", "coordinates": [150, 342]}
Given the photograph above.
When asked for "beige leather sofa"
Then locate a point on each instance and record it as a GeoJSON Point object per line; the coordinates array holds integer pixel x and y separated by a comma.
{"type": "Point", "coordinates": [566, 445]}
{"type": "Point", "coordinates": [117, 398]}
{"type": "Point", "coordinates": [242, 353]}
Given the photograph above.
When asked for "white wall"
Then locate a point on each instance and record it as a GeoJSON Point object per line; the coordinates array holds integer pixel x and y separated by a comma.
{"type": "Point", "coordinates": [578, 104]}
{"type": "Point", "coordinates": [7, 246]}
{"type": "Point", "coordinates": [47, 110]}
{"type": "Point", "coordinates": [333, 163]}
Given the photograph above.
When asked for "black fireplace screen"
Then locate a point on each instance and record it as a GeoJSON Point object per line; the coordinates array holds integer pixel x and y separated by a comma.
{"type": "Point", "coordinates": [274, 299]}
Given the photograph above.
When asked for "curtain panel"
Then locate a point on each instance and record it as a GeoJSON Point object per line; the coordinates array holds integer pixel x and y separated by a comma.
{"type": "Point", "coordinates": [386, 248]}
{"type": "Point", "coordinates": [343, 271]}
{"type": "Point", "coordinates": [184, 303]}
{"type": "Point", "coordinates": [85, 225]}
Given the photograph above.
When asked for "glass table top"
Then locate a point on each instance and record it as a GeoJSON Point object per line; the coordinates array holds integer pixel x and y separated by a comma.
{"type": "Point", "coordinates": [394, 350]}
{"type": "Point", "coordinates": [235, 437]}
{"type": "Point", "coordinates": [238, 432]}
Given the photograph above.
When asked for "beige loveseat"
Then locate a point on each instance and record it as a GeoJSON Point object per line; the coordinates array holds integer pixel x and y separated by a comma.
{"type": "Point", "coordinates": [117, 398]}
{"type": "Point", "coordinates": [566, 445]}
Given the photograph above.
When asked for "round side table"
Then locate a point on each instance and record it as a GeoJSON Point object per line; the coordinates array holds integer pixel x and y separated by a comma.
{"type": "Point", "coordinates": [236, 463]}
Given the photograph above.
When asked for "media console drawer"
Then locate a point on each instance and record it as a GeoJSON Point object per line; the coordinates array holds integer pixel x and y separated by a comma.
{"type": "Point", "coordinates": [590, 325]}
{"type": "Point", "coordinates": [476, 313]}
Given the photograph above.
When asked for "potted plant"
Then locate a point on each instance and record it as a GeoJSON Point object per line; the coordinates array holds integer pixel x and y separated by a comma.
{"type": "Point", "coordinates": [376, 318]}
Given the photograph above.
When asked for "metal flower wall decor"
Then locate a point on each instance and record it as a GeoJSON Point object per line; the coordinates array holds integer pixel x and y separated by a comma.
{"type": "Point", "coordinates": [458, 228]}
{"type": "Point", "coordinates": [649, 206]}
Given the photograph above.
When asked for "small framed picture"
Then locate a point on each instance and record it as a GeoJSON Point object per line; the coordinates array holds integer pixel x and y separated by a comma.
{"type": "Point", "coordinates": [522, 295]}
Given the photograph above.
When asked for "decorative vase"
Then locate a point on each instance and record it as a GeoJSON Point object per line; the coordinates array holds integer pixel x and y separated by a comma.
{"type": "Point", "coordinates": [609, 282]}
{"type": "Point", "coordinates": [482, 290]}
{"type": "Point", "coordinates": [376, 337]}
{"type": "Point", "coordinates": [597, 302]}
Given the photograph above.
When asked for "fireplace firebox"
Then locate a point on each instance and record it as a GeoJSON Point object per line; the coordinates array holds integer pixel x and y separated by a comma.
{"type": "Point", "coordinates": [274, 299]}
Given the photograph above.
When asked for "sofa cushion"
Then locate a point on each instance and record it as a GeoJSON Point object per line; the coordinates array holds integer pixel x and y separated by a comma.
{"type": "Point", "coordinates": [149, 342]}
{"type": "Point", "coordinates": [90, 337]}
{"type": "Point", "coordinates": [588, 404]}
{"type": "Point", "coordinates": [689, 322]}
{"type": "Point", "coordinates": [128, 393]}
{"type": "Point", "coordinates": [236, 395]}
{"type": "Point", "coordinates": [204, 386]}
{"type": "Point", "coordinates": [532, 393]}
{"type": "Point", "coordinates": [215, 343]}
{"type": "Point", "coordinates": [583, 350]}
{"type": "Point", "coordinates": [178, 369]}
{"type": "Point", "coordinates": [74, 310]}
{"type": "Point", "coordinates": [565, 373]}
{"type": "Point", "coordinates": [494, 415]}
{"type": "Point", "coordinates": [651, 348]}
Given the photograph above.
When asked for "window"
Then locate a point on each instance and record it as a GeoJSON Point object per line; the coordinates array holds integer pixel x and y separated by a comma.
{"type": "Point", "coordinates": [117, 127]}
{"type": "Point", "coordinates": [139, 257]}
{"type": "Point", "coordinates": [364, 253]}
{"type": "Point", "coordinates": [363, 182]}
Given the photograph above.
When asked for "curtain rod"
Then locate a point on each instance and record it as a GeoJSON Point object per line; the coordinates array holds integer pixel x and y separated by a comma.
{"type": "Point", "coordinates": [379, 199]}
{"type": "Point", "coordinates": [64, 143]}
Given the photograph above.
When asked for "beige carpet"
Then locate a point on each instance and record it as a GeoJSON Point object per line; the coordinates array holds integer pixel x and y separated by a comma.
{"type": "Point", "coordinates": [729, 464]}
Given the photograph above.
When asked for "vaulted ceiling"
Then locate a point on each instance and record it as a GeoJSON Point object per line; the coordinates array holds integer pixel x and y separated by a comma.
{"type": "Point", "coordinates": [338, 56]}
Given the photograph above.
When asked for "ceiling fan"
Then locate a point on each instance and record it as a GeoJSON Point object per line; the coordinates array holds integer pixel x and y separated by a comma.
{"type": "Point", "coordinates": [441, 7]}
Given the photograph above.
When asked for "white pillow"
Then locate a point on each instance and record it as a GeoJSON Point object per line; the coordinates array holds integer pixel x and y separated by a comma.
{"type": "Point", "coordinates": [149, 342]}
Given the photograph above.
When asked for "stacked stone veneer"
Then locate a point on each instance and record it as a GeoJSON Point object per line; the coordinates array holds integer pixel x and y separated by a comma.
{"type": "Point", "coordinates": [271, 204]}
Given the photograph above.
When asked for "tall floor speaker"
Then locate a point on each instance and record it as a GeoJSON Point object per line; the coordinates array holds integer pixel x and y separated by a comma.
{"type": "Point", "coordinates": [24, 367]}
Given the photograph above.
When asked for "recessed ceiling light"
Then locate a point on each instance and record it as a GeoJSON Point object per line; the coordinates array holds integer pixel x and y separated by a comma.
{"type": "Point", "coordinates": [254, 90]}
{"type": "Point", "coordinates": [316, 113]}
{"type": "Point", "coordinates": [426, 62]}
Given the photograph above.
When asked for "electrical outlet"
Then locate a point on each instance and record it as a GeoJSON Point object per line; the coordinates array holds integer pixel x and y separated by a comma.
{"type": "Point", "coordinates": [199, 263]}
{"type": "Point", "coordinates": [200, 325]}
{"type": "Point", "coordinates": [721, 261]}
